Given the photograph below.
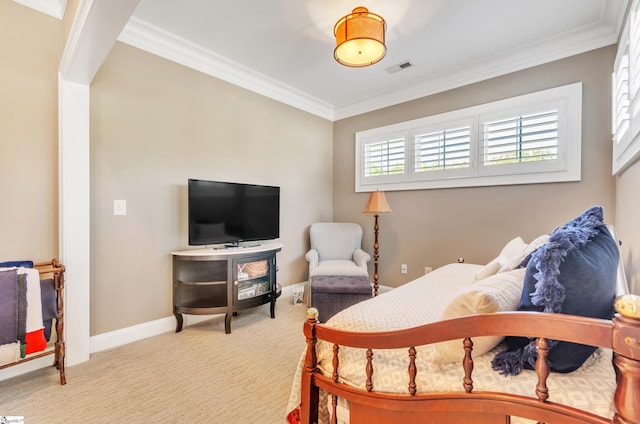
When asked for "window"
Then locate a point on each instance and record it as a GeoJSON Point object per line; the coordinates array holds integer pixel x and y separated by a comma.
{"type": "Point", "coordinates": [443, 150]}
{"type": "Point", "coordinates": [526, 139]}
{"type": "Point", "coordinates": [384, 157]}
{"type": "Point", "coordinates": [523, 138]}
{"type": "Point", "coordinates": [625, 106]}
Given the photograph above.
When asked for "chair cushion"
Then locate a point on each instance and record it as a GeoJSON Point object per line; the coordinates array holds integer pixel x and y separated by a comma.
{"type": "Point", "coordinates": [338, 267]}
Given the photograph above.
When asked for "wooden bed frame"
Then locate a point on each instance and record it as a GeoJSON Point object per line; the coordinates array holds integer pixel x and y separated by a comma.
{"type": "Point", "coordinates": [621, 335]}
{"type": "Point", "coordinates": [53, 270]}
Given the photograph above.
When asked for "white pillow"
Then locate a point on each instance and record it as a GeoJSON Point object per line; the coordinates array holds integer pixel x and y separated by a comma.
{"type": "Point", "coordinates": [487, 271]}
{"type": "Point", "coordinates": [497, 293]}
{"type": "Point", "coordinates": [517, 259]}
{"type": "Point", "coordinates": [511, 249]}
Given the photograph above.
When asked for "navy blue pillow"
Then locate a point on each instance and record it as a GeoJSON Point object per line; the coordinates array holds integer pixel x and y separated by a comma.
{"type": "Point", "coordinates": [586, 287]}
{"type": "Point", "coordinates": [23, 264]}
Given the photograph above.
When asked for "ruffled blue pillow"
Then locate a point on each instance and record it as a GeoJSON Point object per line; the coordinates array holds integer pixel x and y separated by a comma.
{"type": "Point", "coordinates": [573, 273]}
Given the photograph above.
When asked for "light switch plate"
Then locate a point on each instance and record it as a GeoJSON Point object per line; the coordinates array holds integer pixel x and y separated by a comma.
{"type": "Point", "coordinates": [119, 207]}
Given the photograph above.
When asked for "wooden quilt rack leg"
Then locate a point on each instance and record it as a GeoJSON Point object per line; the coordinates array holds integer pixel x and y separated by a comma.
{"type": "Point", "coordinates": [59, 349]}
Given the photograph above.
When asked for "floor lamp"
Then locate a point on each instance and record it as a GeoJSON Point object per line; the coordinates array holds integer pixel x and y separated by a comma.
{"type": "Point", "coordinates": [376, 205]}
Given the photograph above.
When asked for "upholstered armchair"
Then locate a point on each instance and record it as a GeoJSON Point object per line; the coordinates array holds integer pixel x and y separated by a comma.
{"type": "Point", "coordinates": [336, 250]}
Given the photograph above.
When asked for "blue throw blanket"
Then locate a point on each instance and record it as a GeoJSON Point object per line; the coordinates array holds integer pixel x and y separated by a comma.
{"type": "Point", "coordinates": [8, 306]}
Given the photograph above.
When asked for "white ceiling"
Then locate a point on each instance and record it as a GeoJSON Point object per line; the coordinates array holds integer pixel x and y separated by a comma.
{"type": "Point", "coordinates": [284, 48]}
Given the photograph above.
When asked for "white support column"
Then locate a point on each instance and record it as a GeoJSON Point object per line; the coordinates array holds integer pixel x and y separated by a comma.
{"type": "Point", "coordinates": [95, 30]}
{"type": "Point", "coordinates": [75, 224]}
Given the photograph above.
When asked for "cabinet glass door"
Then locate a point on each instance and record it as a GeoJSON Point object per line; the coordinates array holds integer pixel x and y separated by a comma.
{"type": "Point", "coordinates": [254, 278]}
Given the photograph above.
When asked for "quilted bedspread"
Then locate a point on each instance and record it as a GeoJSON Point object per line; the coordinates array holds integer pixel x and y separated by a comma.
{"type": "Point", "coordinates": [423, 301]}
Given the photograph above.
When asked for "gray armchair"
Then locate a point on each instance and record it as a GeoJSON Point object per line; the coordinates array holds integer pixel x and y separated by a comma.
{"type": "Point", "coordinates": [336, 250]}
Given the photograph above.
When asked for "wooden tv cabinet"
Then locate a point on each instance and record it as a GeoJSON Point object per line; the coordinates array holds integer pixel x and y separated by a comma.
{"type": "Point", "coordinates": [224, 281]}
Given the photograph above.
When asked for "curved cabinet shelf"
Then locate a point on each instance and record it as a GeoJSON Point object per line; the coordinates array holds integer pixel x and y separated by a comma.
{"type": "Point", "coordinates": [216, 281]}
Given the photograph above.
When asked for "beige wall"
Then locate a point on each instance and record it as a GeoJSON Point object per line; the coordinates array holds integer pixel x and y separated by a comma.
{"type": "Point", "coordinates": [628, 224]}
{"type": "Point", "coordinates": [154, 124]}
{"type": "Point", "coordinates": [31, 44]}
{"type": "Point", "coordinates": [435, 227]}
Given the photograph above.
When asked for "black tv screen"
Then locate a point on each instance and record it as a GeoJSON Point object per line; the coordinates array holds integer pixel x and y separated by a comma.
{"type": "Point", "coordinates": [230, 213]}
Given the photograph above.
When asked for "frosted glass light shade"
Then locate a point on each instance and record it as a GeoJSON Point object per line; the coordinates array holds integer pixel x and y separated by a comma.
{"type": "Point", "coordinates": [359, 38]}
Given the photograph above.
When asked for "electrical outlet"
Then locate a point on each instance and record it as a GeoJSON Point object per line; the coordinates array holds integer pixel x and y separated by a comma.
{"type": "Point", "coordinates": [427, 269]}
{"type": "Point", "coordinates": [119, 207]}
{"type": "Point", "coordinates": [403, 268]}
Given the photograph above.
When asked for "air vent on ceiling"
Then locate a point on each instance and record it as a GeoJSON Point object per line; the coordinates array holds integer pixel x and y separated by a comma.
{"type": "Point", "coordinates": [399, 67]}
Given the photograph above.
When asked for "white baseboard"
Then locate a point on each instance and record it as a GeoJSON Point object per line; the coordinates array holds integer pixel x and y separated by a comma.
{"type": "Point", "coordinates": [131, 334]}
{"type": "Point", "coordinates": [288, 290]}
{"type": "Point", "coordinates": [153, 328]}
{"type": "Point", "coordinates": [141, 331]}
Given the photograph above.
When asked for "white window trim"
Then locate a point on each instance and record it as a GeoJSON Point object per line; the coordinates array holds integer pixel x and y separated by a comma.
{"type": "Point", "coordinates": [626, 145]}
{"type": "Point", "coordinates": [568, 99]}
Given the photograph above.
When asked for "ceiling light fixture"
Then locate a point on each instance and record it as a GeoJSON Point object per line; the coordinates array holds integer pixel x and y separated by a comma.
{"type": "Point", "coordinates": [360, 38]}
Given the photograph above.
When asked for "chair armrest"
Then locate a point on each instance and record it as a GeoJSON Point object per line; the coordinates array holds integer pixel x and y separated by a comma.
{"type": "Point", "coordinates": [360, 257]}
{"type": "Point", "coordinates": [313, 258]}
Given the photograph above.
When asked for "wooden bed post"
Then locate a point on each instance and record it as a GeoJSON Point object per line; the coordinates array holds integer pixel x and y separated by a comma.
{"type": "Point", "coordinates": [310, 393]}
{"type": "Point", "coordinates": [626, 358]}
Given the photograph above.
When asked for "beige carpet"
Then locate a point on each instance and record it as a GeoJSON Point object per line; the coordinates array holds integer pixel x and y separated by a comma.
{"type": "Point", "coordinates": [200, 375]}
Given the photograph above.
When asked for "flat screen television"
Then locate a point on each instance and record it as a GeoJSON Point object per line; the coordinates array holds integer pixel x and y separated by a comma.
{"type": "Point", "coordinates": [231, 213]}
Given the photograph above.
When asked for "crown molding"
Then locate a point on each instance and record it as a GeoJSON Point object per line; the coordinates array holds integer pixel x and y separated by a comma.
{"type": "Point", "coordinates": [562, 46]}
{"type": "Point", "coordinates": [53, 8]}
{"type": "Point", "coordinates": [152, 39]}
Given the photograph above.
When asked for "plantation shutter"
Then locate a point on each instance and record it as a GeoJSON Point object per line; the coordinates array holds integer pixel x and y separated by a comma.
{"type": "Point", "coordinates": [621, 101]}
{"type": "Point", "coordinates": [385, 157]}
{"type": "Point", "coordinates": [523, 138]}
{"type": "Point", "coordinates": [634, 60]}
{"type": "Point", "coordinates": [625, 98]}
{"type": "Point", "coordinates": [527, 139]}
{"type": "Point", "coordinates": [443, 150]}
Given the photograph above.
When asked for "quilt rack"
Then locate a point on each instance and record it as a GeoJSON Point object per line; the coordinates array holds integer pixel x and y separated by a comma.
{"type": "Point", "coordinates": [55, 271]}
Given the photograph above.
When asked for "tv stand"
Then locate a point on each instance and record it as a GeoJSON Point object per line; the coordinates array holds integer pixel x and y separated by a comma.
{"type": "Point", "coordinates": [224, 281]}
